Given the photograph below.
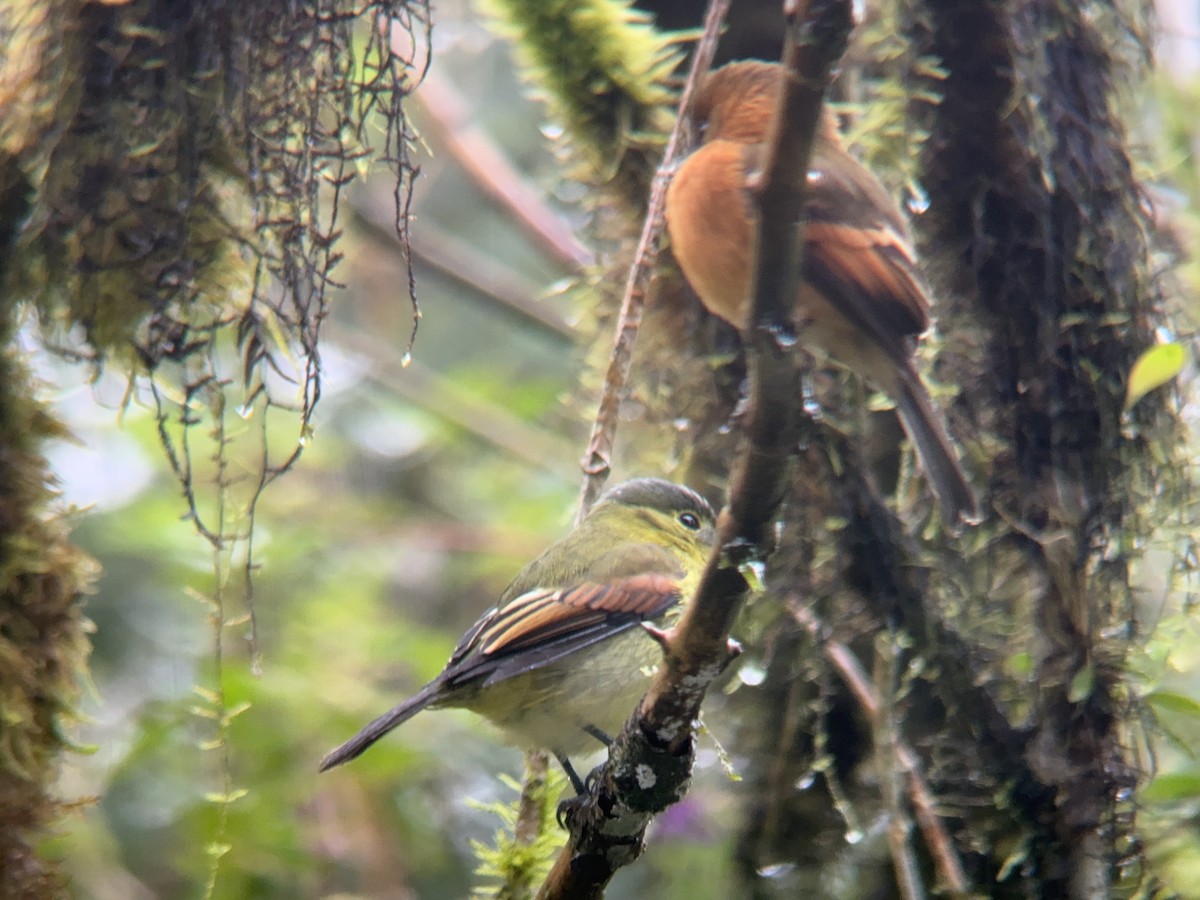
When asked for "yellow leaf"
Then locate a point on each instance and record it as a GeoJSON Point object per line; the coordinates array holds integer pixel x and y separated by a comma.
{"type": "Point", "coordinates": [1154, 368]}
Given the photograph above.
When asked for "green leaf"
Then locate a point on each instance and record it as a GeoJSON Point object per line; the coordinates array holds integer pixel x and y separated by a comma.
{"type": "Point", "coordinates": [1154, 368]}
{"type": "Point", "coordinates": [1020, 664]}
{"type": "Point", "coordinates": [1169, 701]}
{"type": "Point", "coordinates": [1081, 685]}
{"type": "Point", "coordinates": [1172, 788]}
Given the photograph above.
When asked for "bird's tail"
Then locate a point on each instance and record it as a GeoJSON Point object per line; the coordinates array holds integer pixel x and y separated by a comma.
{"type": "Point", "coordinates": [937, 455]}
{"type": "Point", "coordinates": [381, 726]}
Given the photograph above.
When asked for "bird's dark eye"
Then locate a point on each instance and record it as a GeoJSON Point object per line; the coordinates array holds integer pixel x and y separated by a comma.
{"type": "Point", "coordinates": [690, 520]}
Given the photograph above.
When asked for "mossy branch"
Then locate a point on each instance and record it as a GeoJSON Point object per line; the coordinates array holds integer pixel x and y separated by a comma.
{"type": "Point", "coordinates": [603, 67]}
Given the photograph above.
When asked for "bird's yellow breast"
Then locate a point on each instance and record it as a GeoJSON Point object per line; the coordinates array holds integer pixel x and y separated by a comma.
{"type": "Point", "coordinates": [550, 706]}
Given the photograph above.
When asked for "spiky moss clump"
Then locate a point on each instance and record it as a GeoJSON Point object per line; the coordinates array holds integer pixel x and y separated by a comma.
{"type": "Point", "coordinates": [602, 67]}
{"type": "Point", "coordinates": [43, 643]}
{"type": "Point", "coordinates": [514, 864]}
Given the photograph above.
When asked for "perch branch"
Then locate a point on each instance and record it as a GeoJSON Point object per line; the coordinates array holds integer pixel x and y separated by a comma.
{"type": "Point", "coordinates": [650, 763]}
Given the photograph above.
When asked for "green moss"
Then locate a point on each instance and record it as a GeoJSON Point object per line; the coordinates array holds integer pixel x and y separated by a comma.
{"type": "Point", "coordinates": [43, 643]}
{"type": "Point", "coordinates": [602, 67]}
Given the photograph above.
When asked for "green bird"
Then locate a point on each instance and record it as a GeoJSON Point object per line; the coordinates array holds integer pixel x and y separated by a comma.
{"type": "Point", "coordinates": [560, 661]}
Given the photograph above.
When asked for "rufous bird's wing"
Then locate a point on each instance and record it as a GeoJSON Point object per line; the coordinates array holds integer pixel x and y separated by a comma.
{"type": "Point", "coordinates": [858, 253]}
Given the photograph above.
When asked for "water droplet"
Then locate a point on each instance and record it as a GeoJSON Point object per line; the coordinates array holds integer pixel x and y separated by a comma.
{"type": "Point", "coordinates": [406, 360]}
{"type": "Point", "coordinates": [552, 131]}
{"type": "Point", "coordinates": [806, 780]}
{"type": "Point", "coordinates": [776, 870]}
{"type": "Point", "coordinates": [855, 836]}
{"type": "Point", "coordinates": [918, 200]}
{"type": "Point", "coordinates": [246, 410]}
{"type": "Point", "coordinates": [784, 335]}
{"type": "Point", "coordinates": [755, 573]}
{"type": "Point", "coordinates": [682, 424]}
{"type": "Point", "coordinates": [751, 673]}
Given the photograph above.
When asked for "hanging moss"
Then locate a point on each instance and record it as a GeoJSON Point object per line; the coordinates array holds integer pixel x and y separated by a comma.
{"type": "Point", "coordinates": [179, 154]}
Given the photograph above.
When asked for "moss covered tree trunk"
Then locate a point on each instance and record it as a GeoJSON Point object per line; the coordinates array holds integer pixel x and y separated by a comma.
{"type": "Point", "coordinates": [43, 643]}
{"type": "Point", "coordinates": [1038, 240]}
{"type": "Point", "coordinates": [1041, 225]}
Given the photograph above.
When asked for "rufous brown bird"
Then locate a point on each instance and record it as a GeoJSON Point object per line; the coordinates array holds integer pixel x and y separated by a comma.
{"type": "Point", "coordinates": [862, 302]}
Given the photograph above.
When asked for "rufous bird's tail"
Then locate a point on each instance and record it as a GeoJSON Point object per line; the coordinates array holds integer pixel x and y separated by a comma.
{"type": "Point", "coordinates": [937, 455]}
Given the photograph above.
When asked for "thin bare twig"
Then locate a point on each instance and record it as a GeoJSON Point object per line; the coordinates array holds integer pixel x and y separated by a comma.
{"type": "Point", "coordinates": [887, 746]}
{"type": "Point", "coordinates": [937, 841]}
{"type": "Point", "coordinates": [597, 459]}
{"type": "Point", "coordinates": [650, 762]}
{"type": "Point", "coordinates": [598, 456]}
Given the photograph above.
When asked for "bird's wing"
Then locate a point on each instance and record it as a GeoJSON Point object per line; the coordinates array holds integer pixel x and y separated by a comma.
{"type": "Point", "coordinates": [858, 253]}
{"type": "Point", "coordinates": [546, 624]}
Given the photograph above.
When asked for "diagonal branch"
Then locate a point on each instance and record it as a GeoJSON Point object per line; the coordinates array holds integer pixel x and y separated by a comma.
{"type": "Point", "coordinates": [650, 762]}
{"type": "Point", "coordinates": [597, 459]}
{"type": "Point", "coordinates": [448, 121]}
{"type": "Point", "coordinates": [925, 807]}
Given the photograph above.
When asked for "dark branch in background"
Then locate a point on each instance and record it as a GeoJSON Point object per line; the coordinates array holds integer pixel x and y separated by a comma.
{"type": "Point", "coordinates": [650, 762]}
{"type": "Point", "coordinates": [937, 841]}
{"type": "Point", "coordinates": [447, 117]}
{"type": "Point", "coordinates": [887, 747]}
{"type": "Point", "coordinates": [597, 459]}
{"type": "Point", "coordinates": [1038, 213]}
{"type": "Point", "coordinates": [464, 263]}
